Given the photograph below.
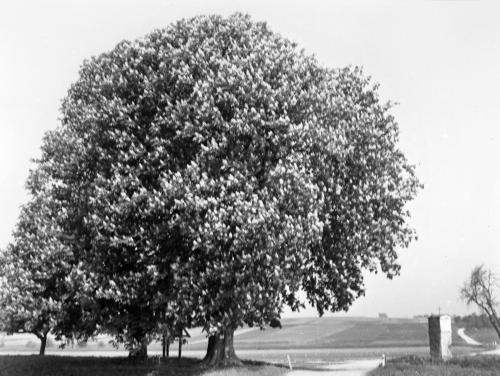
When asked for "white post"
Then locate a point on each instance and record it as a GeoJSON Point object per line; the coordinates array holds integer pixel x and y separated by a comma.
{"type": "Point", "coordinates": [440, 337]}
{"type": "Point", "coordinates": [289, 362]}
{"type": "Point", "coordinates": [383, 361]}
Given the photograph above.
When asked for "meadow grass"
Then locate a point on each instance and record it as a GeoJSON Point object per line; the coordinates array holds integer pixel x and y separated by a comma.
{"type": "Point", "coordinates": [461, 366]}
{"type": "Point", "coordinates": [304, 333]}
{"type": "Point", "coordinates": [33, 365]}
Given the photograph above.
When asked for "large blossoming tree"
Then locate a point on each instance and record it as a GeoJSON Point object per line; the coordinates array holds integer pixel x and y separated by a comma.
{"type": "Point", "coordinates": [213, 170]}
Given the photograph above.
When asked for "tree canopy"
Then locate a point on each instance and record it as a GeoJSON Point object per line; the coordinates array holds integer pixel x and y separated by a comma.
{"type": "Point", "coordinates": [210, 171]}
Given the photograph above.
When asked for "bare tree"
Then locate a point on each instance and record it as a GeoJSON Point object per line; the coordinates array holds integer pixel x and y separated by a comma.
{"type": "Point", "coordinates": [480, 288]}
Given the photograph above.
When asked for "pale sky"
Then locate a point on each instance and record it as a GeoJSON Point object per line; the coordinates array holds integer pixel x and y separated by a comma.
{"type": "Point", "coordinates": [440, 60]}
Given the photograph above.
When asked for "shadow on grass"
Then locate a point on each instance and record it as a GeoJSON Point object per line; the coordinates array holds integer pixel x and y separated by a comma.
{"type": "Point", "coordinates": [33, 365]}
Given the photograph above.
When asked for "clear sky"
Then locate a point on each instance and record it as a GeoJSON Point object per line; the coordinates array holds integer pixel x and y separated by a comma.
{"type": "Point", "coordinates": [440, 60]}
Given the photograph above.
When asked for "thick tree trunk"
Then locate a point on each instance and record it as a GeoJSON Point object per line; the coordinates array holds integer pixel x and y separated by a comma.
{"type": "Point", "coordinates": [143, 352]}
{"type": "Point", "coordinates": [220, 350]}
{"type": "Point", "coordinates": [497, 329]}
{"type": "Point", "coordinates": [495, 322]}
{"type": "Point", "coordinates": [229, 345]}
{"type": "Point", "coordinates": [43, 344]}
{"type": "Point", "coordinates": [140, 353]}
{"type": "Point", "coordinates": [492, 316]}
{"type": "Point", "coordinates": [211, 348]}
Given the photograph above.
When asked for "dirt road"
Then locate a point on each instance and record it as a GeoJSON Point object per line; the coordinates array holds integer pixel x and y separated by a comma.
{"type": "Point", "coordinates": [350, 368]}
{"type": "Point", "coordinates": [466, 338]}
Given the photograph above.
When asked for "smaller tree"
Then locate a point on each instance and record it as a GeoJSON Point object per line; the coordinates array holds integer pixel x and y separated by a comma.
{"type": "Point", "coordinates": [480, 289]}
{"type": "Point", "coordinates": [22, 306]}
{"type": "Point", "coordinates": [33, 273]}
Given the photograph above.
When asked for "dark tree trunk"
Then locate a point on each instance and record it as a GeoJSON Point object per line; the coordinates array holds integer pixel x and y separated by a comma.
{"type": "Point", "coordinates": [211, 348]}
{"type": "Point", "coordinates": [43, 344]}
{"type": "Point", "coordinates": [42, 336]}
{"type": "Point", "coordinates": [143, 351]}
{"type": "Point", "coordinates": [163, 346]}
{"type": "Point", "coordinates": [490, 311]}
{"type": "Point", "coordinates": [494, 321]}
{"type": "Point", "coordinates": [140, 353]}
{"type": "Point", "coordinates": [180, 346]}
{"type": "Point", "coordinates": [220, 350]}
{"type": "Point", "coordinates": [497, 329]}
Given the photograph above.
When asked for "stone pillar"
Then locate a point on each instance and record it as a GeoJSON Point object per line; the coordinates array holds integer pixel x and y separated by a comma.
{"type": "Point", "coordinates": [440, 337]}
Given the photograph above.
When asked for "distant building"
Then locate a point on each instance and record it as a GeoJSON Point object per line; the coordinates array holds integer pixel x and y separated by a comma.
{"type": "Point", "coordinates": [383, 316]}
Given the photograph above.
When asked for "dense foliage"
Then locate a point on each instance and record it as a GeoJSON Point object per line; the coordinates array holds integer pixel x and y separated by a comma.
{"type": "Point", "coordinates": [211, 170]}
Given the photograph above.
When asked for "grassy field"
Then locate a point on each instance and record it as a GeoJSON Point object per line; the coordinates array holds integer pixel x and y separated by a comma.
{"type": "Point", "coordinates": [462, 366]}
{"type": "Point", "coordinates": [308, 341]}
{"type": "Point", "coordinates": [84, 366]}
{"type": "Point", "coordinates": [333, 332]}
{"type": "Point", "coordinates": [341, 332]}
{"type": "Point", "coordinates": [326, 332]}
